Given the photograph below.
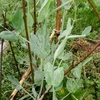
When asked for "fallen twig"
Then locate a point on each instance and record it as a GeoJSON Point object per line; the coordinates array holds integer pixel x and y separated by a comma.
{"type": "Point", "coordinates": [82, 59]}
{"type": "Point", "coordinates": [26, 74]}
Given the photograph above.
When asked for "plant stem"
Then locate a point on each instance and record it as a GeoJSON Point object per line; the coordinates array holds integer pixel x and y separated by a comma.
{"type": "Point", "coordinates": [65, 96]}
{"type": "Point", "coordinates": [41, 88]}
{"type": "Point", "coordinates": [94, 8]}
{"type": "Point", "coordinates": [28, 93]}
{"type": "Point", "coordinates": [34, 16]}
{"type": "Point", "coordinates": [1, 56]}
{"type": "Point", "coordinates": [27, 37]}
{"type": "Point", "coordinates": [43, 95]}
{"type": "Point", "coordinates": [13, 54]}
{"type": "Point", "coordinates": [53, 97]}
{"type": "Point", "coordinates": [58, 18]}
{"type": "Point", "coordinates": [24, 77]}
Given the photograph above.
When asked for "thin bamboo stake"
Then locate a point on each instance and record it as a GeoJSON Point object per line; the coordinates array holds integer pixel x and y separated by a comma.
{"type": "Point", "coordinates": [27, 37]}
{"type": "Point", "coordinates": [35, 17]}
{"type": "Point", "coordinates": [1, 56]}
{"type": "Point", "coordinates": [58, 18]}
{"type": "Point", "coordinates": [26, 74]}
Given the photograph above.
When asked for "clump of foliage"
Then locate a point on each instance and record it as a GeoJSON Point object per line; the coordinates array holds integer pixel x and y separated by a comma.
{"type": "Point", "coordinates": [57, 70]}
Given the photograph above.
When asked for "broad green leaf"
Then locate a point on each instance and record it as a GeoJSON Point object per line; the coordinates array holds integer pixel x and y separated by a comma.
{"type": "Point", "coordinates": [37, 46]}
{"type": "Point", "coordinates": [65, 66]}
{"type": "Point", "coordinates": [8, 35]}
{"type": "Point", "coordinates": [43, 38]}
{"type": "Point", "coordinates": [38, 77]}
{"type": "Point", "coordinates": [87, 30]}
{"type": "Point", "coordinates": [58, 76]}
{"type": "Point", "coordinates": [17, 21]}
{"type": "Point", "coordinates": [13, 80]}
{"type": "Point", "coordinates": [44, 11]}
{"type": "Point", "coordinates": [77, 71]}
{"type": "Point", "coordinates": [73, 85]}
{"type": "Point", "coordinates": [29, 20]}
{"type": "Point", "coordinates": [40, 43]}
{"type": "Point", "coordinates": [49, 73]}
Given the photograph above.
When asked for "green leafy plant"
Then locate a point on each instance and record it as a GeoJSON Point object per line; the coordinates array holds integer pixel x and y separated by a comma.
{"type": "Point", "coordinates": [52, 74]}
{"type": "Point", "coordinates": [50, 60]}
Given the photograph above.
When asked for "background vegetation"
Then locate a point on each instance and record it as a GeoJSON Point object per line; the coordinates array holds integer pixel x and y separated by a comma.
{"type": "Point", "coordinates": [65, 66]}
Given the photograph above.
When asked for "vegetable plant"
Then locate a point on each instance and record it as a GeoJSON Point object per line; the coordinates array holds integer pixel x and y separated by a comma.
{"type": "Point", "coordinates": [55, 74]}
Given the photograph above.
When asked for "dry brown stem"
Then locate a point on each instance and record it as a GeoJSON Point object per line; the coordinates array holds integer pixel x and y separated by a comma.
{"type": "Point", "coordinates": [94, 8]}
{"type": "Point", "coordinates": [27, 37]}
{"type": "Point", "coordinates": [82, 59]}
{"type": "Point", "coordinates": [58, 18]}
{"type": "Point", "coordinates": [26, 74]}
{"type": "Point", "coordinates": [45, 93]}
{"type": "Point", "coordinates": [35, 21]}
